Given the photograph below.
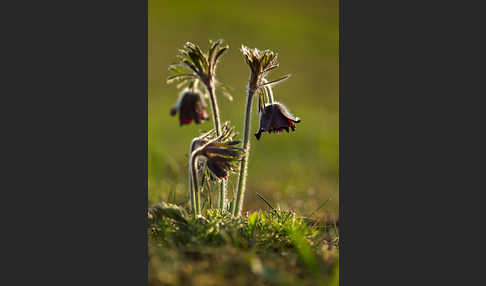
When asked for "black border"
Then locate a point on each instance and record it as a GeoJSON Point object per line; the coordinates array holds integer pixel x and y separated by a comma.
{"type": "Point", "coordinates": [76, 79]}
{"type": "Point", "coordinates": [406, 105]}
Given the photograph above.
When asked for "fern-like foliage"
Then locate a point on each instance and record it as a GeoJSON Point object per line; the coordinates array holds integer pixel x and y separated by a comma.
{"type": "Point", "coordinates": [261, 63]}
{"type": "Point", "coordinates": [194, 64]}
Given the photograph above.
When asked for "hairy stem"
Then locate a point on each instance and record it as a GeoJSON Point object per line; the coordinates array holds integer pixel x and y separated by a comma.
{"type": "Point", "coordinates": [195, 191]}
{"type": "Point", "coordinates": [269, 92]}
{"type": "Point", "coordinates": [214, 107]}
{"type": "Point", "coordinates": [191, 190]}
{"type": "Point", "coordinates": [238, 205]}
{"type": "Point", "coordinates": [217, 127]}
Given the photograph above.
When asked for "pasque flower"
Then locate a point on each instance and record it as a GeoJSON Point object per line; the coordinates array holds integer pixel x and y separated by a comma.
{"type": "Point", "coordinates": [196, 66]}
{"type": "Point", "coordinates": [220, 152]}
{"type": "Point", "coordinates": [261, 63]}
{"type": "Point", "coordinates": [274, 118]}
{"type": "Point", "coordinates": [191, 107]}
{"type": "Point", "coordinates": [221, 158]}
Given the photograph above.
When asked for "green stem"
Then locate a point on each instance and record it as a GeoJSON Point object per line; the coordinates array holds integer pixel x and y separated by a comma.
{"type": "Point", "coordinates": [238, 205]}
{"type": "Point", "coordinates": [217, 127]}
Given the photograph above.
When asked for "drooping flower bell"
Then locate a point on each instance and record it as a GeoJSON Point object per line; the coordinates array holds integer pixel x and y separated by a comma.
{"type": "Point", "coordinates": [274, 118]}
{"type": "Point", "coordinates": [220, 153]}
{"type": "Point", "coordinates": [221, 158]}
{"type": "Point", "coordinates": [191, 107]}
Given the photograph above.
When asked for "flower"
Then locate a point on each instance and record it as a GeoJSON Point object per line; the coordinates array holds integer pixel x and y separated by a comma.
{"type": "Point", "coordinates": [220, 152]}
{"type": "Point", "coordinates": [274, 118]}
{"type": "Point", "coordinates": [221, 158]}
{"type": "Point", "coordinates": [190, 106]}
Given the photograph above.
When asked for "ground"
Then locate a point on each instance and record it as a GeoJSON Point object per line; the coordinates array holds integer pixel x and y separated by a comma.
{"type": "Point", "coordinates": [270, 247]}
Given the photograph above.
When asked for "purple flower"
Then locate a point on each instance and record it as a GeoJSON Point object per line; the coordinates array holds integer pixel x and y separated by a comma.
{"type": "Point", "coordinates": [190, 106]}
{"type": "Point", "coordinates": [275, 118]}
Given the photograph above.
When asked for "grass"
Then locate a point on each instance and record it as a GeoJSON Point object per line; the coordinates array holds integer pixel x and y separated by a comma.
{"type": "Point", "coordinates": [265, 248]}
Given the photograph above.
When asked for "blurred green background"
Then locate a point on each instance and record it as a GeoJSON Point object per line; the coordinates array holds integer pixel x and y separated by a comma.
{"type": "Point", "coordinates": [296, 171]}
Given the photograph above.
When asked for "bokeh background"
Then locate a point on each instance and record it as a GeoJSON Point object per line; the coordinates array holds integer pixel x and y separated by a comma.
{"type": "Point", "coordinates": [296, 171]}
